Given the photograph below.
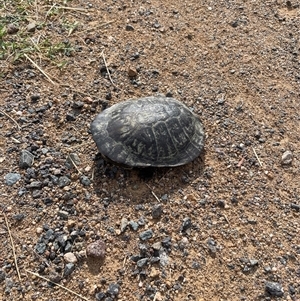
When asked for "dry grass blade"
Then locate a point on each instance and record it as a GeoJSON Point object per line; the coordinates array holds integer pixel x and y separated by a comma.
{"type": "Point", "coordinates": [40, 69]}
{"type": "Point", "coordinates": [104, 60]}
{"type": "Point", "coordinates": [152, 192]}
{"type": "Point", "coordinates": [61, 286]}
{"type": "Point", "coordinates": [12, 246]}
{"type": "Point", "coordinates": [74, 164]}
{"type": "Point", "coordinates": [68, 8]}
{"type": "Point", "coordinates": [13, 120]}
{"type": "Point", "coordinates": [256, 156]}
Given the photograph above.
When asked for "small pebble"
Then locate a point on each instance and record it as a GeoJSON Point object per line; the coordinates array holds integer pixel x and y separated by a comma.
{"type": "Point", "coordinates": [186, 224]}
{"type": "Point", "coordinates": [129, 27]}
{"type": "Point", "coordinates": [113, 289]}
{"type": "Point", "coordinates": [70, 257]}
{"type": "Point", "coordinates": [96, 249]}
{"type": "Point", "coordinates": [157, 211]}
{"type": "Point", "coordinates": [134, 226]}
{"type": "Point", "coordinates": [124, 224]}
{"type": "Point", "coordinates": [287, 158]}
{"type": "Point", "coordinates": [31, 27]}
{"type": "Point", "coordinates": [12, 29]}
{"type": "Point", "coordinates": [63, 214]}
{"type": "Point", "coordinates": [142, 262]}
{"type": "Point", "coordinates": [12, 178]}
{"type": "Point", "coordinates": [26, 159]}
{"type": "Point", "coordinates": [84, 180]}
{"type": "Point", "coordinates": [146, 234]}
{"type": "Point", "coordinates": [63, 181]}
{"type": "Point", "coordinates": [132, 72]}
{"type": "Point", "coordinates": [69, 269]}
{"type": "Point", "coordinates": [274, 289]}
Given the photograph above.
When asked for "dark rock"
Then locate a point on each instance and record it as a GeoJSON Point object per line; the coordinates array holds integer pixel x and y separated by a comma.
{"type": "Point", "coordinates": [186, 224]}
{"type": "Point", "coordinates": [70, 116]}
{"type": "Point", "coordinates": [85, 180]}
{"type": "Point", "coordinates": [129, 27]}
{"type": "Point", "coordinates": [165, 197]}
{"type": "Point", "coordinates": [196, 265]}
{"type": "Point", "coordinates": [100, 296]}
{"type": "Point", "coordinates": [113, 289]}
{"type": "Point", "coordinates": [96, 249]}
{"type": "Point", "coordinates": [36, 194]}
{"type": "Point", "coordinates": [146, 234]}
{"type": "Point", "coordinates": [157, 211]}
{"type": "Point", "coordinates": [135, 258]}
{"type": "Point", "coordinates": [72, 159]}
{"type": "Point", "coordinates": [12, 178]}
{"type": "Point", "coordinates": [55, 277]}
{"type": "Point", "coordinates": [63, 214]}
{"type": "Point", "coordinates": [2, 276]}
{"type": "Point", "coordinates": [61, 240]}
{"type": "Point", "coordinates": [77, 105]}
{"type": "Point", "coordinates": [35, 184]}
{"type": "Point", "coordinates": [69, 269]}
{"type": "Point", "coordinates": [19, 217]}
{"type": "Point", "coordinates": [40, 248]}
{"type": "Point", "coordinates": [295, 207]}
{"type": "Point", "coordinates": [35, 97]}
{"type": "Point", "coordinates": [134, 226]}
{"type": "Point", "coordinates": [142, 262]}
{"type": "Point", "coordinates": [8, 285]}
{"type": "Point", "coordinates": [26, 159]}
{"type": "Point", "coordinates": [63, 181]}
{"type": "Point", "coordinates": [166, 242]}
{"type": "Point", "coordinates": [11, 29]}
{"type": "Point", "coordinates": [274, 289]}
{"type": "Point", "coordinates": [212, 246]}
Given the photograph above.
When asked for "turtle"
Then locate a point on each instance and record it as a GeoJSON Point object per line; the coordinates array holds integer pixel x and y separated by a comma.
{"type": "Point", "coordinates": [153, 131]}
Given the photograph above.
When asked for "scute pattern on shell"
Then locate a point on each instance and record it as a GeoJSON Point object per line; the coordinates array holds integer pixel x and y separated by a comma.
{"type": "Point", "coordinates": [150, 131]}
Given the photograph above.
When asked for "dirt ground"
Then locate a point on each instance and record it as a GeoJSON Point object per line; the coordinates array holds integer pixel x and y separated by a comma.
{"type": "Point", "coordinates": [223, 227]}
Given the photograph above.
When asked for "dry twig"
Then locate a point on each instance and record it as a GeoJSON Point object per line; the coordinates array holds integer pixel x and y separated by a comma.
{"type": "Point", "coordinates": [40, 69]}
{"type": "Point", "coordinates": [61, 286]}
{"type": "Point", "coordinates": [256, 156]}
{"type": "Point", "coordinates": [67, 7]}
{"type": "Point", "coordinates": [12, 246]}
{"type": "Point", "coordinates": [13, 120]}
{"type": "Point", "coordinates": [153, 193]}
{"type": "Point", "coordinates": [104, 60]}
{"type": "Point", "coordinates": [74, 164]}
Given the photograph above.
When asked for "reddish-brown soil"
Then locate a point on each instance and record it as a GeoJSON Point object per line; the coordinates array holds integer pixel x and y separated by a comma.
{"type": "Point", "coordinates": [230, 219]}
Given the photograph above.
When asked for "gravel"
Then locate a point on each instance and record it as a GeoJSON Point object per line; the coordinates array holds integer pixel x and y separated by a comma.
{"type": "Point", "coordinates": [12, 178]}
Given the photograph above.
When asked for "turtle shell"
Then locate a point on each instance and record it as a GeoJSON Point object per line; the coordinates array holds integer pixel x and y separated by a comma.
{"type": "Point", "coordinates": [151, 131]}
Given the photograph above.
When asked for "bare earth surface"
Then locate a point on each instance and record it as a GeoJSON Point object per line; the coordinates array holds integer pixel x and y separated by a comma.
{"type": "Point", "coordinates": [224, 227]}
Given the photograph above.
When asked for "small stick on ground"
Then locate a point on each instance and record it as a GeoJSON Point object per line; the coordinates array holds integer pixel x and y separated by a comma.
{"type": "Point", "coordinates": [40, 69]}
{"type": "Point", "coordinates": [104, 60]}
{"type": "Point", "coordinates": [75, 165]}
{"type": "Point", "coordinates": [153, 193]}
{"type": "Point", "coordinates": [226, 219]}
{"type": "Point", "coordinates": [68, 8]}
{"type": "Point", "coordinates": [13, 120]}
{"type": "Point", "coordinates": [12, 246]}
{"type": "Point", "coordinates": [256, 156]}
{"type": "Point", "coordinates": [63, 287]}
{"type": "Point", "coordinates": [124, 261]}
